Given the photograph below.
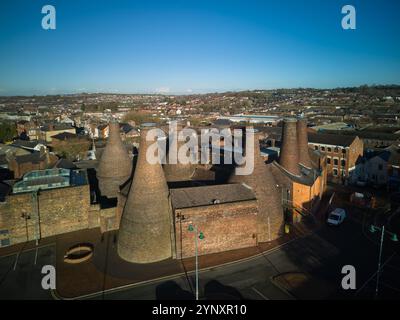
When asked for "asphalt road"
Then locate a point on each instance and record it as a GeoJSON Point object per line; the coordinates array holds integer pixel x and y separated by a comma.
{"type": "Point", "coordinates": [20, 277]}
{"type": "Point", "coordinates": [320, 257]}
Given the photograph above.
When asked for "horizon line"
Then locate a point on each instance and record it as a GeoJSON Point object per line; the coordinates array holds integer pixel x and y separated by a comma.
{"type": "Point", "coordinates": [178, 93]}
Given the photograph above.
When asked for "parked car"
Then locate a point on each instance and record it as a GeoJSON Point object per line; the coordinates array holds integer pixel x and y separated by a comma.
{"type": "Point", "coordinates": [336, 217]}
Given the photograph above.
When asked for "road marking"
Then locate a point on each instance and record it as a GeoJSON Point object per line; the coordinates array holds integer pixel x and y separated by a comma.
{"type": "Point", "coordinates": [28, 250]}
{"type": "Point", "coordinates": [177, 275]}
{"type": "Point", "coordinates": [259, 293]}
{"type": "Point", "coordinates": [373, 275]}
{"type": "Point", "coordinates": [16, 261]}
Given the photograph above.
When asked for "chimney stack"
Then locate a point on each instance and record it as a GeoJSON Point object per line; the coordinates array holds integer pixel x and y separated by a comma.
{"type": "Point", "coordinates": [270, 216]}
{"type": "Point", "coordinates": [115, 166]}
{"type": "Point", "coordinates": [302, 141]}
{"type": "Point", "coordinates": [289, 154]}
{"type": "Point", "coordinates": [145, 228]}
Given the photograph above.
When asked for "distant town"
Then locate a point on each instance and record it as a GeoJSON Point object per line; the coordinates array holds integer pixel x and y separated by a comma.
{"type": "Point", "coordinates": [75, 189]}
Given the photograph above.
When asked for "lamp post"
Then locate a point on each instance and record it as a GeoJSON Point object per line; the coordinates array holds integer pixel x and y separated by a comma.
{"type": "Point", "coordinates": [200, 235]}
{"type": "Point", "coordinates": [394, 238]}
{"type": "Point", "coordinates": [26, 216]}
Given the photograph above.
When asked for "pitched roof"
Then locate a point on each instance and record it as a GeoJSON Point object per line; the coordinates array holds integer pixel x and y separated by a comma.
{"type": "Point", "coordinates": [29, 144]}
{"type": "Point", "coordinates": [125, 127]}
{"type": "Point", "coordinates": [209, 195]}
{"type": "Point", "coordinates": [34, 157]}
{"type": "Point", "coordinates": [65, 164]}
{"type": "Point", "coordinates": [394, 158]}
{"type": "Point", "coordinates": [64, 136]}
{"type": "Point", "coordinates": [222, 122]}
{"type": "Point", "coordinates": [331, 139]}
{"type": "Point", "coordinates": [56, 126]}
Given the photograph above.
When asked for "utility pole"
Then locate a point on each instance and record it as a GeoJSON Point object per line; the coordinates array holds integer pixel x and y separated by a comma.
{"type": "Point", "coordinates": [379, 262]}
{"type": "Point", "coordinates": [37, 225]}
{"type": "Point", "coordinates": [394, 238]}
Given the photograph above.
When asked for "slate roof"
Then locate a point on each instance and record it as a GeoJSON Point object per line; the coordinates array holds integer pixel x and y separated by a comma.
{"type": "Point", "coordinates": [207, 195]}
{"type": "Point", "coordinates": [64, 136]}
{"type": "Point", "coordinates": [222, 122]}
{"type": "Point", "coordinates": [56, 126]}
{"type": "Point", "coordinates": [331, 139]}
{"type": "Point", "coordinates": [394, 158]}
{"type": "Point", "coordinates": [29, 144]}
{"type": "Point", "coordinates": [65, 164]}
{"type": "Point", "coordinates": [33, 158]}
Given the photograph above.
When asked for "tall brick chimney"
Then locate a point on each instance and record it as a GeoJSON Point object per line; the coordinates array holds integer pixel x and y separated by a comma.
{"type": "Point", "coordinates": [302, 142]}
{"type": "Point", "coordinates": [270, 218]}
{"type": "Point", "coordinates": [289, 154]}
{"type": "Point", "coordinates": [115, 166]}
{"type": "Point", "coordinates": [145, 228]}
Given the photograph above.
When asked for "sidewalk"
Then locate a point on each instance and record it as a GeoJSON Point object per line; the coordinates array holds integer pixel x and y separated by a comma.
{"type": "Point", "coordinates": [106, 271]}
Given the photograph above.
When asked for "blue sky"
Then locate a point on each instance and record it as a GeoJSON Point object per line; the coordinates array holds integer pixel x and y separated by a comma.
{"type": "Point", "coordinates": [195, 45]}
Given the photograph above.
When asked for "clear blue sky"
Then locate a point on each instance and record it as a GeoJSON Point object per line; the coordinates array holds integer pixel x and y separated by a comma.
{"type": "Point", "coordinates": [195, 45]}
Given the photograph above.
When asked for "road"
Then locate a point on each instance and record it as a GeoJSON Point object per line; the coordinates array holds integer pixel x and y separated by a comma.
{"type": "Point", "coordinates": [319, 256]}
{"type": "Point", "coordinates": [20, 277]}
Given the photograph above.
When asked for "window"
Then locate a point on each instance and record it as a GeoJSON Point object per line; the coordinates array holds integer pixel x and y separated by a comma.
{"type": "Point", "coordinates": [343, 163]}
{"type": "Point", "coordinates": [329, 149]}
{"type": "Point", "coordinates": [328, 160]}
{"type": "Point", "coordinates": [336, 149]}
{"type": "Point", "coordinates": [335, 162]}
{"type": "Point", "coordinates": [380, 167]}
{"type": "Point", "coordinates": [4, 242]}
{"type": "Point", "coordinates": [335, 172]}
{"type": "Point", "coordinates": [344, 151]}
{"type": "Point", "coordinates": [316, 147]}
{"type": "Point", "coordinates": [322, 148]}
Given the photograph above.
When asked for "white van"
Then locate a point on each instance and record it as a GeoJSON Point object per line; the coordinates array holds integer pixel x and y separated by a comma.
{"type": "Point", "coordinates": [336, 217]}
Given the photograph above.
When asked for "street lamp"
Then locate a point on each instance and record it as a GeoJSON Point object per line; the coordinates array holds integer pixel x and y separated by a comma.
{"type": "Point", "coordinates": [393, 237]}
{"type": "Point", "coordinates": [27, 217]}
{"type": "Point", "coordinates": [200, 235]}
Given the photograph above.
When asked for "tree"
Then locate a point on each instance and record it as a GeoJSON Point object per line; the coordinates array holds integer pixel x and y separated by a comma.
{"type": "Point", "coordinates": [8, 131]}
{"type": "Point", "coordinates": [139, 117]}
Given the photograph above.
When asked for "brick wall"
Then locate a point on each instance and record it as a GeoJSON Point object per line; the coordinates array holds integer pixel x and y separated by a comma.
{"type": "Point", "coordinates": [20, 169]}
{"type": "Point", "coordinates": [60, 210]}
{"type": "Point", "coordinates": [307, 197]}
{"type": "Point", "coordinates": [225, 227]}
{"type": "Point", "coordinates": [349, 154]}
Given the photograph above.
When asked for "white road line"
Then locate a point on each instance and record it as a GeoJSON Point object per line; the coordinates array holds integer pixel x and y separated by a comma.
{"type": "Point", "coordinates": [259, 293]}
{"type": "Point", "coordinates": [173, 276]}
{"type": "Point", "coordinates": [373, 275]}
{"type": "Point", "coordinates": [16, 261]}
{"type": "Point", "coordinates": [389, 286]}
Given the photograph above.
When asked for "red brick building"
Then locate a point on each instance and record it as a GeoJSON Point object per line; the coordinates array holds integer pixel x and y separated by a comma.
{"type": "Point", "coordinates": [342, 153]}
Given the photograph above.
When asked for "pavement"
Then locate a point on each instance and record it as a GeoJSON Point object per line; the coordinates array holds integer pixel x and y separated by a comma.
{"type": "Point", "coordinates": [306, 266]}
